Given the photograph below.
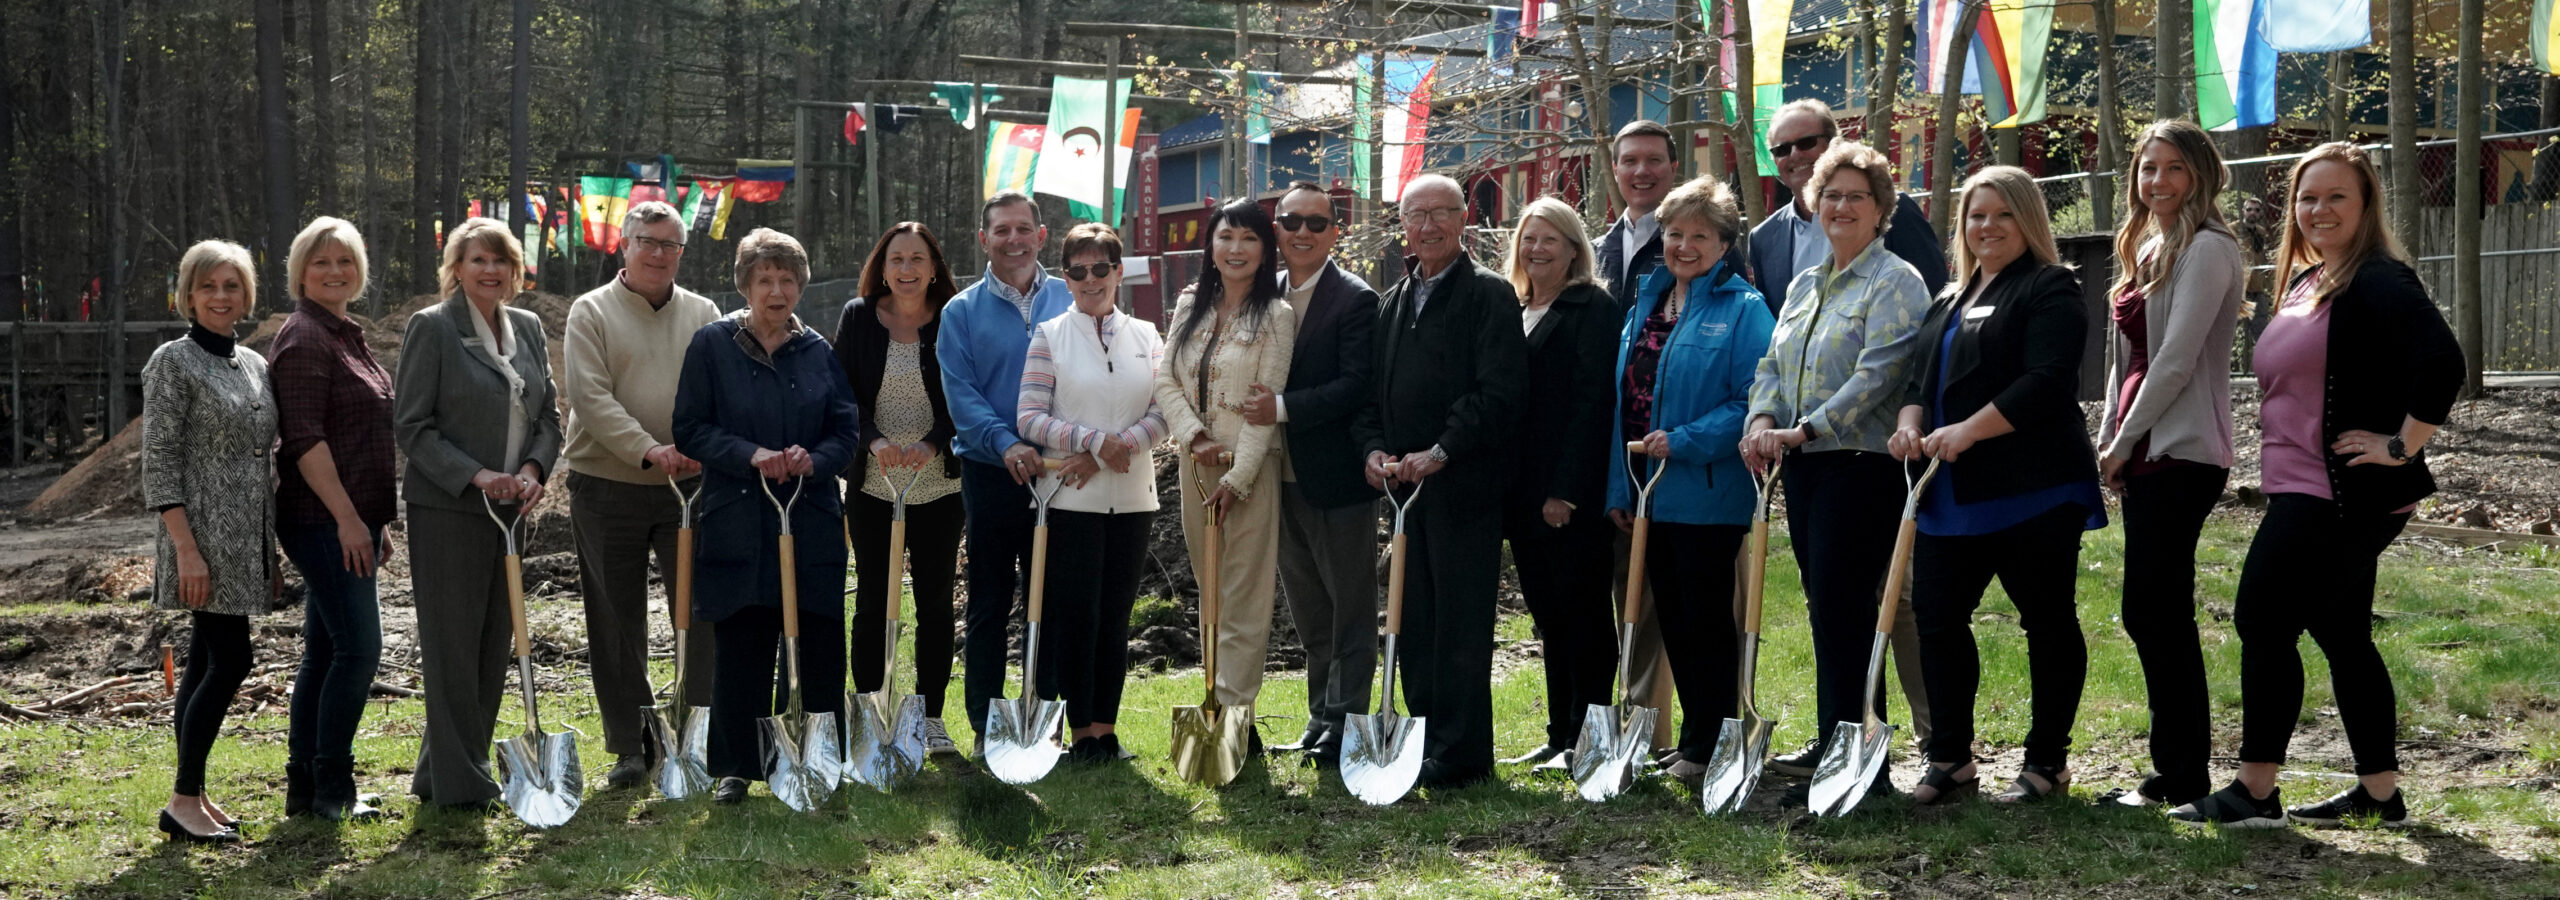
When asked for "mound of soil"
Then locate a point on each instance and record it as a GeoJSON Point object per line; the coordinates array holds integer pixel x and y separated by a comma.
{"type": "Point", "coordinates": [107, 482]}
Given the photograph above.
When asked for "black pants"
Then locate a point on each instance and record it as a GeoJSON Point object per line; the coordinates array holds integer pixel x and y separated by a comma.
{"type": "Point", "coordinates": [1564, 577]}
{"type": "Point", "coordinates": [999, 526]}
{"type": "Point", "coordinates": [747, 682]}
{"type": "Point", "coordinates": [2164, 513]}
{"type": "Point", "coordinates": [217, 661]}
{"type": "Point", "coordinates": [1093, 580]}
{"type": "Point", "coordinates": [1691, 569]}
{"type": "Point", "coordinates": [2311, 568]}
{"type": "Point", "coordinates": [933, 557]}
{"type": "Point", "coordinates": [1445, 652]}
{"type": "Point", "coordinates": [2036, 562]}
{"type": "Point", "coordinates": [1843, 509]}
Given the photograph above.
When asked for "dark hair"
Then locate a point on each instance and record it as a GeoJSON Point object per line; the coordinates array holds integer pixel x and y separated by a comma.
{"type": "Point", "coordinates": [875, 283]}
{"type": "Point", "coordinates": [1089, 237]}
{"type": "Point", "coordinates": [1642, 128]}
{"type": "Point", "coordinates": [1296, 186]}
{"type": "Point", "coordinates": [1004, 199]}
{"type": "Point", "coordinates": [1211, 288]}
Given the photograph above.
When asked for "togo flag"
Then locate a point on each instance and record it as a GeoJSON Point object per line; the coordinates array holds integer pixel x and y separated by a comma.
{"type": "Point", "coordinates": [1071, 159]}
{"type": "Point", "coordinates": [2235, 66]}
{"type": "Point", "coordinates": [601, 203]}
{"type": "Point", "coordinates": [1013, 153]}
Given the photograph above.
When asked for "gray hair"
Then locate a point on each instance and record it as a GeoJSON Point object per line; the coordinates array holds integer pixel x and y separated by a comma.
{"type": "Point", "coordinates": [650, 212]}
{"type": "Point", "coordinates": [1433, 179]}
{"type": "Point", "coordinates": [767, 246]}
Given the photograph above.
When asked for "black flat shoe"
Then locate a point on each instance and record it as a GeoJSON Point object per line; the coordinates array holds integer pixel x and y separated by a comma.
{"type": "Point", "coordinates": [2021, 790]}
{"type": "Point", "coordinates": [177, 831]}
{"type": "Point", "coordinates": [730, 792]}
{"type": "Point", "coordinates": [1949, 788]}
{"type": "Point", "coordinates": [2355, 805]}
{"type": "Point", "coordinates": [1799, 764]}
{"type": "Point", "coordinates": [2233, 807]}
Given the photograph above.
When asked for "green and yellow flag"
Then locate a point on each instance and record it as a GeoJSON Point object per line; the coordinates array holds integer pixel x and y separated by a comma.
{"type": "Point", "coordinates": [1013, 156]}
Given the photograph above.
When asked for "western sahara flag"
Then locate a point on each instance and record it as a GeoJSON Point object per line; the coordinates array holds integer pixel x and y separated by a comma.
{"type": "Point", "coordinates": [1071, 147]}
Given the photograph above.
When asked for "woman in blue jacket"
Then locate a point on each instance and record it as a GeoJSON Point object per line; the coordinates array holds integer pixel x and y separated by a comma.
{"type": "Point", "coordinates": [1685, 361]}
{"type": "Point", "coordinates": [762, 396]}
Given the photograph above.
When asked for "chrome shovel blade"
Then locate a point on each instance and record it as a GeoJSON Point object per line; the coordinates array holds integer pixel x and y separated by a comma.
{"type": "Point", "coordinates": [886, 743]}
{"type": "Point", "coordinates": [1612, 749]}
{"type": "Point", "coordinates": [803, 759]}
{"type": "Point", "coordinates": [1849, 765]}
{"type": "Point", "coordinates": [681, 751]}
{"type": "Point", "coordinates": [1742, 747]}
{"type": "Point", "coordinates": [1381, 756]}
{"type": "Point", "coordinates": [540, 779]}
{"type": "Point", "coordinates": [1022, 738]}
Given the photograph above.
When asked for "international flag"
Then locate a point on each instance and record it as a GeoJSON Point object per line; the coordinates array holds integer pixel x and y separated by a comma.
{"type": "Point", "coordinates": [601, 203]}
{"type": "Point", "coordinates": [1071, 148]}
{"type": "Point", "coordinates": [2322, 26]}
{"type": "Point", "coordinates": [1501, 40]}
{"type": "Point", "coordinates": [1364, 131]}
{"type": "Point", "coordinates": [2546, 37]}
{"type": "Point", "coordinates": [964, 101]}
{"type": "Point", "coordinates": [2235, 66]}
{"type": "Point", "coordinates": [1532, 12]}
{"type": "Point", "coordinates": [1013, 155]}
{"type": "Point", "coordinates": [1769, 20]}
{"type": "Point", "coordinates": [1407, 126]}
{"type": "Point", "coordinates": [853, 124]}
{"type": "Point", "coordinates": [2009, 53]}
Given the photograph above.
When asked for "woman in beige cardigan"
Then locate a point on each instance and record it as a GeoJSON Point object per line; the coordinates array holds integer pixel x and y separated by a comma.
{"type": "Point", "coordinates": [1232, 337]}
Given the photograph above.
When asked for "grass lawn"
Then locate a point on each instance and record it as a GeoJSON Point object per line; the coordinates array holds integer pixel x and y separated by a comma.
{"type": "Point", "coordinates": [2473, 640]}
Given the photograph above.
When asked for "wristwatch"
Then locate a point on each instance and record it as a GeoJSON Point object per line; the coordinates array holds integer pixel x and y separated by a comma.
{"type": "Point", "coordinates": [2398, 450]}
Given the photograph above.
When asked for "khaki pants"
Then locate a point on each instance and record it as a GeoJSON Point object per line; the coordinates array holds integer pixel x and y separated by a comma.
{"type": "Point", "coordinates": [1248, 576]}
{"type": "Point", "coordinates": [1648, 670]}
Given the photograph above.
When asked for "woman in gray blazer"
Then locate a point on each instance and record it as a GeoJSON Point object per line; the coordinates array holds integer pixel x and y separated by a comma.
{"type": "Point", "coordinates": [207, 423]}
{"type": "Point", "coordinates": [476, 415]}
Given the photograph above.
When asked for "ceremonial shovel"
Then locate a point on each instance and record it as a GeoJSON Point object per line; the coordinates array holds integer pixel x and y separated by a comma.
{"type": "Point", "coordinates": [1744, 742]}
{"type": "Point", "coordinates": [1209, 740]}
{"type": "Point", "coordinates": [538, 773]}
{"type": "Point", "coordinates": [1382, 754]}
{"type": "Point", "coordinates": [1614, 738]}
{"type": "Point", "coordinates": [802, 761]}
{"type": "Point", "coordinates": [1022, 735]}
{"type": "Point", "coordinates": [679, 733]}
{"type": "Point", "coordinates": [887, 743]}
{"type": "Point", "coordinates": [1857, 750]}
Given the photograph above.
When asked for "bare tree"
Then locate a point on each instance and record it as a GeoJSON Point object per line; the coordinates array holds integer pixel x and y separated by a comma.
{"type": "Point", "coordinates": [2474, 104]}
{"type": "Point", "coordinates": [1942, 159]}
{"type": "Point", "coordinates": [423, 153]}
{"type": "Point", "coordinates": [2403, 161]}
{"type": "Point", "coordinates": [324, 110]}
{"type": "Point", "coordinates": [276, 133]}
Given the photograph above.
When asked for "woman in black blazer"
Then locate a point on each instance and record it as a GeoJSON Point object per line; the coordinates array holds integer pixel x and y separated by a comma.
{"type": "Point", "coordinates": [1555, 508]}
{"type": "Point", "coordinates": [1995, 398]}
{"type": "Point", "coordinates": [885, 342]}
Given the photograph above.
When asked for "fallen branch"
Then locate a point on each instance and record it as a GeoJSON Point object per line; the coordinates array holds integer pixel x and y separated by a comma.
{"type": "Point", "coordinates": [395, 690]}
{"type": "Point", "coordinates": [67, 700]}
{"type": "Point", "coordinates": [8, 709]}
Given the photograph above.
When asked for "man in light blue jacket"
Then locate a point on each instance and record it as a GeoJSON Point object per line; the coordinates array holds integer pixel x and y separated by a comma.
{"type": "Point", "coordinates": [985, 333]}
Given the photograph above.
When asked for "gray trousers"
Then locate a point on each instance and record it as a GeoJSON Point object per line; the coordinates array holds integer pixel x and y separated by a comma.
{"type": "Point", "coordinates": [616, 526]}
{"type": "Point", "coordinates": [465, 641]}
{"type": "Point", "coordinates": [1329, 570]}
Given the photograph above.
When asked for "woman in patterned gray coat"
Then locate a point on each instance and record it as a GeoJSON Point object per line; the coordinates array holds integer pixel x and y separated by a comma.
{"type": "Point", "coordinates": [207, 425]}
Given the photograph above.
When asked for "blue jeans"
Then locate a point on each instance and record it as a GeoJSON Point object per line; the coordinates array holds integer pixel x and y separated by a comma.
{"type": "Point", "coordinates": [341, 650]}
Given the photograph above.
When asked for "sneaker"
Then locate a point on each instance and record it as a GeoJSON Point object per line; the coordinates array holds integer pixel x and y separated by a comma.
{"type": "Point", "coordinates": [937, 740]}
{"type": "Point", "coordinates": [730, 792]}
{"type": "Point", "coordinates": [1560, 764]}
{"type": "Point", "coordinates": [1544, 753]}
{"type": "Point", "coordinates": [1112, 751]}
{"type": "Point", "coordinates": [630, 770]}
{"type": "Point", "coordinates": [1800, 763]}
{"type": "Point", "coordinates": [2354, 805]}
{"type": "Point", "coordinates": [2233, 807]}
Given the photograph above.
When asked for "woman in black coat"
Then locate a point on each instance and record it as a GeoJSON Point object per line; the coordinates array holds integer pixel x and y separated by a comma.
{"type": "Point", "coordinates": [1995, 398]}
{"type": "Point", "coordinates": [1555, 509]}
{"type": "Point", "coordinates": [885, 342]}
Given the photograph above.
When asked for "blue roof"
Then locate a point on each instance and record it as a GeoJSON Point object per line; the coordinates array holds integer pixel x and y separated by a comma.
{"type": "Point", "coordinates": [1203, 129]}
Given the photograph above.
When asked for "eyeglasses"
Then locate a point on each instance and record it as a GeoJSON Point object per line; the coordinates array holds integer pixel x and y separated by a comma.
{"type": "Point", "coordinates": [1090, 270]}
{"type": "Point", "coordinates": [1441, 216]}
{"type": "Point", "coordinates": [648, 244]}
{"type": "Point", "coordinates": [1784, 149]}
{"type": "Point", "coordinates": [1845, 198]}
{"type": "Point", "coordinates": [1310, 224]}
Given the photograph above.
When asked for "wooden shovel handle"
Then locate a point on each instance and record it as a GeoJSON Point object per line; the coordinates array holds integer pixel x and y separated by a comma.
{"type": "Point", "coordinates": [790, 589]}
{"type": "Point", "coordinates": [1641, 533]}
{"type": "Point", "coordinates": [515, 602]}
{"type": "Point", "coordinates": [682, 603]}
{"type": "Point", "coordinates": [1895, 576]}
{"type": "Point", "coordinates": [1209, 597]}
{"type": "Point", "coordinates": [1395, 585]}
{"type": "Point", "coordinates": [1755, 576]}
{"type": "Point", "coordinates": [897, 567]}
{"type": "Point", "coordinates": [1039, 570]}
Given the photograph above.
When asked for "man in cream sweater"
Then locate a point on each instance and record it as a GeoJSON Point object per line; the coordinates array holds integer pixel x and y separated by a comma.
{"type": "Point", "coordinates": [625, 346]}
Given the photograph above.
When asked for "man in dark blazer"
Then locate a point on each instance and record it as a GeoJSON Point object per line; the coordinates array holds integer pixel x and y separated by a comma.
{"type": "Point", "coordinates": [1789, 241]}
{"type": "Point", "coordinates": [1641, 162]}
{"type": "Point", "coordinates": [1450, 365]}
{"type": "Point", "coordinates": [1328, 513]}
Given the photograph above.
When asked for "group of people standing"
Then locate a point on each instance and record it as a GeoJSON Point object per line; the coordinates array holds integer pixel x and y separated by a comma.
{"type": "Point", "coordinates": [1827, 342]}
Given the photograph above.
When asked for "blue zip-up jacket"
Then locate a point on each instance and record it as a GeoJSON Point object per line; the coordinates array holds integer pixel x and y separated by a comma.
{"type": "Point", "coordinates": [1701, 393]}
{"type": "Point", "coordinates": [983, 341]}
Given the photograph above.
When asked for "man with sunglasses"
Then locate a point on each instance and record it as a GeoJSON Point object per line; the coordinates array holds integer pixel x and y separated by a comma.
{"type": "Point", "coordinates": [1449, 369]}
{"type": "Point", "coordinates": [1328, 513]}
{"type": "Point", "coordinates": [1790, 241]}
{"type": "Point", "coordinates": [624, 348]}
{"type": "Point", "coordinates": [985, 335]}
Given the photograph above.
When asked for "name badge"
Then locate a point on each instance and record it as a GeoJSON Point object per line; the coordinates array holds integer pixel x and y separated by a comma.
{"type": "Point", "coordinates": [1979, 312]}
{"type": "Point", "coordinates": [1714, 329]}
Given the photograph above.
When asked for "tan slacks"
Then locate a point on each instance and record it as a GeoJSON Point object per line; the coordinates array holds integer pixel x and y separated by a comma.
{"type": "Point", "coordinates": [1248, 576]}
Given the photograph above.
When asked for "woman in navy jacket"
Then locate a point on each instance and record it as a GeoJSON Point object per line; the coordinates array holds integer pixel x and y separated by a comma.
{"type": "Point", "coordinates": [1686, 357]}
{"type": "Point", "coordinates": [763, 397]}
{"type": "Point", "coordinates": [1995, 397]}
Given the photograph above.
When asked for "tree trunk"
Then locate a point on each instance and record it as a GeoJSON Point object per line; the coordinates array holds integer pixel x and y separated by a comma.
{"type": "Point", "coordinates": [111, 49]}
{"type": "Point", "coordinates": [372, 157]}
{"type": "Point", "coordinates": [423, 154]}
{"type": "Point", "coordinates": [2340, 72]}
{"type": "Point", "coordinates": [451, 120]}
{"type": "Point", "coordinates": [1746, 157]}
{"type": "Point", "coordinates": [324, 110]}
{"type": "Point", "coordinates": [1888, 89]}
{"type": "Point", "coordinates": [2110, 126]}
{"type": "Point", "coordinates": [276, 134]}
{"type": "Point", "coordinates": [12, 265]}
{"type": "Point", "coordinates": [2474, 103]}
{"type": "Point", "coordinates": [1942, 158]}
{"type": "Point", "coordinates": [2401, 167]}
{"type": "Point", "coordinates": [1592, 67]}
{"type": "Point", "coordinates": [520, 123]}
{"type": "Point", "coordinates": [2546, 162]}
{"type": "Point", "coordinates": [2174, 54]}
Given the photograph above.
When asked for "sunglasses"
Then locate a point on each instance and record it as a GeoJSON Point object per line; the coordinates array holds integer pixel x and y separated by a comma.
{"type": "Point", "coordinates": [1790, 148]}
{"type": "Point", "coordinates": [1092, 270]}
{"type": "Point", "coordinates": [1311, 224]}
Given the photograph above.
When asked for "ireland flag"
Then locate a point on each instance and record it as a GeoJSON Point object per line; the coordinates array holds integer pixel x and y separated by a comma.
{"type": "Point", "coordinates": [1013, 153]}
{"type": "Point", "coordinates": [1071, 147]}
{"type": "Point", "coordinates": [2235, 66]}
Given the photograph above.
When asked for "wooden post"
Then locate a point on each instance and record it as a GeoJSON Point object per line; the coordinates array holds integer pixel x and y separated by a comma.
{"type": "Point", "coordinates": [2471, 106]}
{"type": "Point", "coordinates": [2400, 170]}
{"type": "Point", "coordinates": [1111, 130]}
{"type": "Point", "coordinates": [17, 392]}
{"type": "Point", "coordinates": [800, 169]}
{"type": "Point", "coordinates": [874, 212]}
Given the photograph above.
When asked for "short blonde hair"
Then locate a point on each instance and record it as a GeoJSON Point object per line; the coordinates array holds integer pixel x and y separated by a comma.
{"type": "Point", "coordinates": [2018, 189]}
{"type": "Point", "coordinates": [1704, 199]}
{"type": "Point", "coordinates": [765, 245]}
{"type": "Point", "coordinates": [206, 256]}
{"type": "Point", "coordinates": [325, 230]}
{"type": "Point", "coordinates": [486, 232]}
{"type": "Point", "coordinates": [1863, 160]}
{"type": "Point", "coordinates": [1561, 217]}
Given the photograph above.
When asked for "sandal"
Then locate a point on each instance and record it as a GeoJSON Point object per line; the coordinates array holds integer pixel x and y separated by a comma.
{"type": "Point", "coordinates": [2023, 791]}
{"type": "Point", "coordinates": [1945, 783]}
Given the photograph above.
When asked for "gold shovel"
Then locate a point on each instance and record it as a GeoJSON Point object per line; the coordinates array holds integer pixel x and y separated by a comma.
{"type": "Point", "coordinates": [1210, 741]}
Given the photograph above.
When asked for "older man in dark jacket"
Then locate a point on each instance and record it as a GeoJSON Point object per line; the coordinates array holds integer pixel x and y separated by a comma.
{"type": "Point", "coordinates": [1450, 362]}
